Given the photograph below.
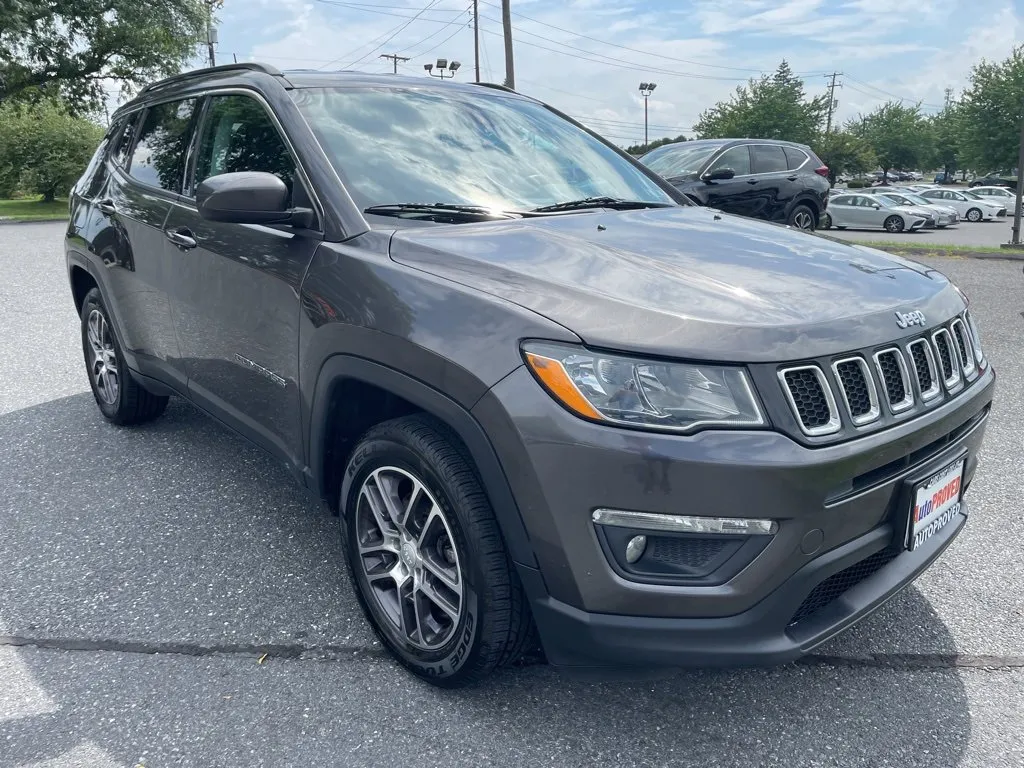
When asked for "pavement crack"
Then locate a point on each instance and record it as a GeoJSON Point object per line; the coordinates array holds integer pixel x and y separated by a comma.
{"type": "Point", "coordinates": [911, 661]}
{"type": "Point", "coordinates": [254, 650]}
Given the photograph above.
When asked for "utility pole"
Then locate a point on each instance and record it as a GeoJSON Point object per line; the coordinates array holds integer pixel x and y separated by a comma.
{"type": "Point", "coordinates": [949, 97]}
{"type": "Point", "coordinates": [832, 103]}
{"type": "Point", "coordinates": [211, 33]}
{"type": "Point", "coordinates": [395, 58]}
{"type": "Point", "coordinates": [1015, 238]}
{"type": "Point", "coordinates": [506, 25]}
{"type": "Point", "coordinates": [646, 89]}
{"type": "Point", "coordinates": [476, 38]}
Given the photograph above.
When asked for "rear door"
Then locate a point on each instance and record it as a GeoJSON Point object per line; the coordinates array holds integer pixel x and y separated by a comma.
{"type": "Point", "coordinates": [735, 195]}
{"type": "Point", "coordinates": [145, 179]}
{"type": "Point", "coordinates": [236, 286]}
{"type": "Point", "coordinates": [774, 189]}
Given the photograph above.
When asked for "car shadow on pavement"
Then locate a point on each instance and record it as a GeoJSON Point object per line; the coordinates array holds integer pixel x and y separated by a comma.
{"type": "Point", "coordinates": [180, 534]}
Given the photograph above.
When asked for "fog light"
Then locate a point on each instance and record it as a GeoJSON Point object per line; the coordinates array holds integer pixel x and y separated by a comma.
{"type": "Point", "coordinates": [635, 548]}
{"type": "Point", "coordinates": [653, 521]}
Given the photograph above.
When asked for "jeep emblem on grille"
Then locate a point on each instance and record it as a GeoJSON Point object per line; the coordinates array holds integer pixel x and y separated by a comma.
{"type": "Point", "coordinates": [907, 319]}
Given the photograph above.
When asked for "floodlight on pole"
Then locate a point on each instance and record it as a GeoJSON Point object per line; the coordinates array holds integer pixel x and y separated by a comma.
{"type": "Point", "coordinates": [445, 69]}
{"type": "Point", "coordinates": [645, 90]}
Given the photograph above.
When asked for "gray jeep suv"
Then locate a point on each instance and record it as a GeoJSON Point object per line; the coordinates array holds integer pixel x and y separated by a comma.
{"type": "Point", "coordinates": [547, 396]}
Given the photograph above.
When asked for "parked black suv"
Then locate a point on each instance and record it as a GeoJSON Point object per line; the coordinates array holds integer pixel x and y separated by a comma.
{"type": "Point", "coordinates": [773, 180]}
{"type": "Point", "coordinates": [540, 388]}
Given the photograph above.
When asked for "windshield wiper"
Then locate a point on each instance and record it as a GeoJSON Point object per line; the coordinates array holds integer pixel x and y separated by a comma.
{"type": "Point", "coordinates": [477, 211]}
{"type": "Point", "coordinates": [600, 202]}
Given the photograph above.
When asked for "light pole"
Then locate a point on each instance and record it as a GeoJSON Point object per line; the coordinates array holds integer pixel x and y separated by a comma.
{"type": "Point", "coordinates": [442, 65]}
{"type": "Point", "coordinates": [646, 89]}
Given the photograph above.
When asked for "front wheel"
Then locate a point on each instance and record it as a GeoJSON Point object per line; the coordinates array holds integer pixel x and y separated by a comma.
{"type": "Point", "coordinates": [426, 556]}
{"type": "Point", "coordinates": [120, 397]}
{"type": "Point", "coordinates": [894, 224]}
{"type": "Point", "coordinates": [802, 217]}
{"type": "Point", "coordinates": [974, 214]}
{"type": "Point", "coordinates": [825, 221]}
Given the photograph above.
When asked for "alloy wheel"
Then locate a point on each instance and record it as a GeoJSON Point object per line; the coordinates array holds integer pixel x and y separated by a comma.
{"type": "Point", "coordinates": [408, 557]}
{"type": "Point", "coordinates": [974, 215]}
{"type": "Point", "coordinates": [803, 220]}
{"type": "Point", "coordinates": [103, 367]}
{"type": "Point", "coordinates": [893, 224]}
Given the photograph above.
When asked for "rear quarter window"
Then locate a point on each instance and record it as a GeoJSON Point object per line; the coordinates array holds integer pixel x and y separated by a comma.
{"type": "Point", "coordinates": [768, 158]}
{"type": "Point", "coordinates": [794, 157]}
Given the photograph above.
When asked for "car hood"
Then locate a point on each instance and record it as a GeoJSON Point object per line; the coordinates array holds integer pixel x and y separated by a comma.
{"type": "Point", "coordinates": [686, 281]}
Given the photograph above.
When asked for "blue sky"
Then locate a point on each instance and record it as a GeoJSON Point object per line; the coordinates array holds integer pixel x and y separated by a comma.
{"type": "Point", "coordinates": [697, 51]}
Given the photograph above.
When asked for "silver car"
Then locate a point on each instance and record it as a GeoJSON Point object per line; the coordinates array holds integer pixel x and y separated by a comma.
{"type": "Point", "coordinates": [943, 215]}
{"type": "Point", "coordinates": [862, 211]}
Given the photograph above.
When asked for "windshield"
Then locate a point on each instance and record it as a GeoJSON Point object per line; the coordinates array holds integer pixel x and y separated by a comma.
{"type": "Point", "coordinates": [429, 145]}
{"type": "Point", "coordinates": [918, 200]}
{"type": "Point", "coordinates": [970, 195]}
{"type": "Point", "coordinates": [683, 159]}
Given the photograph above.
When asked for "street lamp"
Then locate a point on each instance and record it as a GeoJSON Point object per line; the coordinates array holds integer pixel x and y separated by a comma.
{"type": "Point", "coordinates": [645, 90]}
{"type": "Point", "coordinates": [442, 65]}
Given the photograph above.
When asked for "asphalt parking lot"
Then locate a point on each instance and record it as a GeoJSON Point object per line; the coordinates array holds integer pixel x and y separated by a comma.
{"type": "Point", "coordinates": [145, 572]}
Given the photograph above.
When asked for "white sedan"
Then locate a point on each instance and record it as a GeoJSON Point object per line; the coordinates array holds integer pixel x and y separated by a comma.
{"type": "Point", "coordinates": [872, 212]}
{"type": "Point", "coordinates": [970, 206]}
{"type": "Point", "coordinates": [997, 195]}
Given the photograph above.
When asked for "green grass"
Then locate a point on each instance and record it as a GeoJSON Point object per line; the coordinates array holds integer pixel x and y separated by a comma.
{"type": "Point", "coordinates": [937, 249]}
{"type": "Point", "coordinates": [33, 209]}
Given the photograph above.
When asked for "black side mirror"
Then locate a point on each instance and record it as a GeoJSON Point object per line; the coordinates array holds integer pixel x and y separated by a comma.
{"type": "Point", "coordinates": [877, 207]}
{"type": "Point", "coordinates": [719, 174]}
{"type": "Point", "coordinates": [248, 197]}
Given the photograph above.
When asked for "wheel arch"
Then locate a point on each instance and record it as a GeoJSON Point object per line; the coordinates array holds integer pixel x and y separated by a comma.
{"type": "Point", "coordinates": [404, 394]}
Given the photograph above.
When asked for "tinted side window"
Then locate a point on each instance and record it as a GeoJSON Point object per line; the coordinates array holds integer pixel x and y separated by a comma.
{"type": "Point", "coordinates": [794, 157]}
{"type": "Point", "coordinates": [238, 135]}
{"type": "Point", "coordinates": [159, 155]}
{"type": "Point", "coordinates": [737, 158]}
{"type": "Point", "coordinates": [124, 141]}
{"type": "Point", "coordinates": [842, 201]}
{"type": "Point", "coordinates": [768, 159]}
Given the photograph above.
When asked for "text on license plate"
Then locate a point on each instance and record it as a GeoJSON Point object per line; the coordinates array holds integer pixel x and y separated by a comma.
{"type": "Point", "coordinates": [936, 502]}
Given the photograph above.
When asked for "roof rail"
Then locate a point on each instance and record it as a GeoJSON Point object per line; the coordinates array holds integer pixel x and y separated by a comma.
{"type": "Point", "coordinates": [242, 66]}
{"type": "Point", "coordinates": [497, 87]}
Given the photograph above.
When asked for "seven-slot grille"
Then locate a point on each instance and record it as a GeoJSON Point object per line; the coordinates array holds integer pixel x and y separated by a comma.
{"type": "Point", "coordinates": [900, 377]}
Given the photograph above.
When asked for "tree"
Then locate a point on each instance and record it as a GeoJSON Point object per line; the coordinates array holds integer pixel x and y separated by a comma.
{"type": "Point", "coordinates": [843, 152]}
{"type": "Point", "coordinates": [65, 48]}
{"type": "Point", "coordinates": [642, 149]}
{"type": "Point", "coordinates": [991, 110]}
{"type": "Point", "coordinates": [772, 107]}
{"type": "Point", "coordinates": [945, 131]}
{"type": "Point", "coordinates": [898, 136]}
{"type": "Point", "coordinates": [43, 149]}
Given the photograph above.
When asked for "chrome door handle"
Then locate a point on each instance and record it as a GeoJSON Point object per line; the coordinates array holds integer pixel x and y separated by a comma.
{"type": "Point", "coordinates": [180, 239]}
{"type": "Point", "coordinates": [107, 207]}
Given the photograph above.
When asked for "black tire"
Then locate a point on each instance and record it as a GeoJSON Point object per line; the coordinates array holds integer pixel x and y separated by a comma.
{"type": "Point", "coordinates": [121, 399]}
{"type": "Point", "coordinates": [974, 215]}
{"type": "Point", "coordinates": [825, 221]}
{"type": "Point", "coordinates": [802, 217]}
{"type": "Point", "coordinates": [894, 224]}
{"type": "Point", "coordinates": [494, 622]}
{"type": "Point", "coordinates": [840, 226]}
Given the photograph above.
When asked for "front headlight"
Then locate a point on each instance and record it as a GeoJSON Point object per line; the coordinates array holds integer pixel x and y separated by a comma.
{"type": "Point", "coordinates": [651, 394]}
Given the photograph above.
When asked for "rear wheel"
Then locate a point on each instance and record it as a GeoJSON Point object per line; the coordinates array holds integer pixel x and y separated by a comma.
{"type": "Point", "coordinates": [802, 217]}
{"type": "Point", "coordinates": [426, 556]}
{"type": "Point", "coordinates": [974, 214]}
{"type": "Point", "coordinates": [894, 224]}
{"type": "Point", "coordinates": [119, 396]}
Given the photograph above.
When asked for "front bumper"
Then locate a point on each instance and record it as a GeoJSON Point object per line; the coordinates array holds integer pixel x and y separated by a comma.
{"type": "Point", "coordinates": [835, 506]}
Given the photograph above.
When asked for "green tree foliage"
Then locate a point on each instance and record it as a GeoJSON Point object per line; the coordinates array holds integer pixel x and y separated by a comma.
{"type": "Point", "coordinates": [844, 152]}
{"type": "Point", "coordinates": [43, 149]}
{"type": "Point", "coordinates": [898, 135]}
{"type": "Point", "coordinates": [643, 149]}
{"type": "Point", "coordinates": [66, 47]}
{"type": "Point", "coordinates": [991, 110]}
{"type": "Point", "coordinates": [773, 107]}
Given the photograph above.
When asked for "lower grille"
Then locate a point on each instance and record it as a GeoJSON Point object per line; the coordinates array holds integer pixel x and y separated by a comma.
{"type": "Point", "coordinates": [838, 584]}
{"type": "Point", "coordinates": [688, 552]}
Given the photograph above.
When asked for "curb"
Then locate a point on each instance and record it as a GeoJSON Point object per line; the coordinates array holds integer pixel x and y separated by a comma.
{"type": "Point", "coordinates": [965, 254]}
{"type": "Point", "coordinates": [32, 221]}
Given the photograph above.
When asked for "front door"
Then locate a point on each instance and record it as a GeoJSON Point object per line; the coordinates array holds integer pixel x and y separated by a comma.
{"type": "Point", "coordinates": [736, 195]}
{"type": "Point", "coordinates": [236, 295]}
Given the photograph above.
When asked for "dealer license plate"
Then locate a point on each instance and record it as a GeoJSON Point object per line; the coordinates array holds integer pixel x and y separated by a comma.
{"type": "Point", "coordinates": [936, 503]}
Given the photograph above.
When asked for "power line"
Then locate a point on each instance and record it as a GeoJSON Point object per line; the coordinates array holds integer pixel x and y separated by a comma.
{"type": "Point", "coordinates": [434, 48]}
{"type": "Point", "coordinates": [395, 58]}
{"type": "Point", "coordinates": [624, 47]}
{"type": "Point", "coordinates": [611, 60]}
{"type": "Point", "coordinates": [887, 93]}
{"type": "Point", "coordinates": [395, 33]}
{"type": "Point", "coordinates": [456, 20]}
